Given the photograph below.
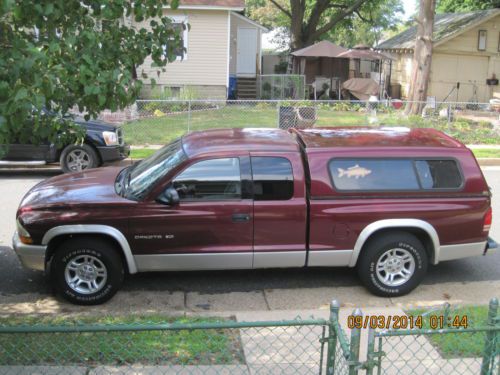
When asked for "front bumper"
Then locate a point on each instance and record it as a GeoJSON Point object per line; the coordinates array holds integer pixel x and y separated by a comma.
{"type": "Point", "coordinates": [112, 153]}
{"type": "Point", "coordinates": [31, 256]}
{"type": "Point", "coordinates": [491, 247]}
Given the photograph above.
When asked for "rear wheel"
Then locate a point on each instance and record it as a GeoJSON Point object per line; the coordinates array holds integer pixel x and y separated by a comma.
{"type": "Point", "coordinates": [87, 271]}
{"type": "Point", "coordinates": [76, 158]}
{"type": "Point", "coordinates": [393, 264]}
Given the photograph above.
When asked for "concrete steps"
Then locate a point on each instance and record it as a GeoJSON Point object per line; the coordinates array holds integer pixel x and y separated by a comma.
{"type": "Point", "coordinates": [246, 88]}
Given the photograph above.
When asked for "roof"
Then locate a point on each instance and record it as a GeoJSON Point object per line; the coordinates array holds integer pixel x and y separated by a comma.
{"type": "Point", "coordinates": [375, 137]}
{"type": "Point", "coordinates": [446, 25]}
{"type": "Point", "coordinates": [251, 22]}
{"type": "Point", "coordinates": [364, 54]}
{"type": "Point", "coordinates": [225, 4]}
{"type": "Point", "coordinates": [320, 49]}
{"type": "Point", "coordinates": [248, 139]}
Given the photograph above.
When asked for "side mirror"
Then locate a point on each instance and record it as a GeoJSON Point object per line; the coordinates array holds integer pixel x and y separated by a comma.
{"type": "Point", "coordinates": [169, 197]}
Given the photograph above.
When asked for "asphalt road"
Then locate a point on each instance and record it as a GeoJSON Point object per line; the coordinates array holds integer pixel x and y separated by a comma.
{"type": "Point", "coordinates": [15, 280]}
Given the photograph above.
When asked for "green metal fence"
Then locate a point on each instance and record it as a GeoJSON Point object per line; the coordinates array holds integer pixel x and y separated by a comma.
{"type": "Point", "coordinates": [300, 346]}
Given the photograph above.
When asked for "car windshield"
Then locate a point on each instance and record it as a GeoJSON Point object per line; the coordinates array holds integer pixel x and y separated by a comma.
{"type": "Point", "coordinates": [144, 175]}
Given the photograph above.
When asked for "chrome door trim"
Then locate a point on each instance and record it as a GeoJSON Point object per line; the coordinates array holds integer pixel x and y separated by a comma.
{"type": "Point", "coordinates": [329, 258]}
{"type": "Point", "coordinates": [192, 262]}
{"type": "Point", "coordinates": [97, 229]}
{"type": "Point", "coordinates": [279, 259]}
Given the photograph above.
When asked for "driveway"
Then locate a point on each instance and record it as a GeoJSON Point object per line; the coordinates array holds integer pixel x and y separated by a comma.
{"type": "Point", "coordinates": [470, 280]}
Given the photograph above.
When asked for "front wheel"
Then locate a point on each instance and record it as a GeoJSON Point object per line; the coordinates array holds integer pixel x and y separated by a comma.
{"type": "Point", "coordinates": [76, 158]}
{"type": "Point", "coordinates": [393, 264]}
{"type": "Point", "coordinates": [87, 271]}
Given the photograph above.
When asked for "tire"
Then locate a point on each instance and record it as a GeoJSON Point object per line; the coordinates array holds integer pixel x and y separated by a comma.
{"type": "Point", "coordinates": [398, 255]}
{"type": "Point", "coordinates": [77, 158]}
{"type": "Point", "coordinates": [83, 260]}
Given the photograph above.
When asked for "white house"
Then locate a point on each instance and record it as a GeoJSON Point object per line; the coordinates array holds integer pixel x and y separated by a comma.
{"type": "Point", "coordinates": [220, 44]}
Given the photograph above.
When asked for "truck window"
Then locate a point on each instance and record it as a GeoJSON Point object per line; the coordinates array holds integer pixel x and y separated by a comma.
{"type": "Point", "coordinates": [272, 178]}
{"type": "Point", "coordinates": [373, 174]}
{"type": "Point", "coordinates": [215, 179]}
{"type": "Point", "coordinates": [438, 174]}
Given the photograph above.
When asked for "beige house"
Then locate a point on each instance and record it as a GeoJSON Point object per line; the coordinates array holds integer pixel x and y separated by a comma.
{"type": "Point", "coordinates": [220, 43]}
{"type": "Point", "coordinates": [466, 51]}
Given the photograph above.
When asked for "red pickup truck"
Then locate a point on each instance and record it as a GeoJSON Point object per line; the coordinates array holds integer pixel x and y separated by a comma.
{"type": "Point", "coordinates": [388, 201]}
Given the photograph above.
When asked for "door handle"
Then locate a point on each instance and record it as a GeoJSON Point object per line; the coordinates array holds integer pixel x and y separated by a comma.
{"type": "Point", "coordinates": [241, 218]}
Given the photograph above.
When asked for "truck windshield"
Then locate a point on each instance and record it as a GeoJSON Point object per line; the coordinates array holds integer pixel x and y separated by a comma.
{"type": "Point", "coordinates": [144, 175]}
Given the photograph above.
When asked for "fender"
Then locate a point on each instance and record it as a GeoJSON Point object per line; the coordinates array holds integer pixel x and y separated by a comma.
{"type": "Point", "coordinates": [96, 229]}
{"type": "Point", "coordinates": [395, 223]}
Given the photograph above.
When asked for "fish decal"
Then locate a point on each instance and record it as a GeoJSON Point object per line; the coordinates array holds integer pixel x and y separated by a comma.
{"type": "Point", "coordinates": [355, 172]}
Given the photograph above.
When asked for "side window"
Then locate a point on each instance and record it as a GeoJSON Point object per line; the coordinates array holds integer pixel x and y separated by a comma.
{"type": "Point", "coordinates": [215, 179]}
{"type": "Point", "coordinates": [373, 174]}
{"type": "Point", "coordinates": [438, 174]}
{"type": "Point", "coordinates": [272, 178]}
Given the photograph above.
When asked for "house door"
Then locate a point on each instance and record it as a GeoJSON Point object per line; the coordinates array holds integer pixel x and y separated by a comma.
{"type": "Point", "coordinates": [246, 62]}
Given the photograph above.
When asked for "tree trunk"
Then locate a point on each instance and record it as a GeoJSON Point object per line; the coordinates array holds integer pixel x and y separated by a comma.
{"type": "Point", "coordinates": [422, 57]}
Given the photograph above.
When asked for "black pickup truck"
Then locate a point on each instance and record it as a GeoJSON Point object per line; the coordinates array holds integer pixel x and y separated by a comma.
{"type": "Point", "coordinates": [103, 143]}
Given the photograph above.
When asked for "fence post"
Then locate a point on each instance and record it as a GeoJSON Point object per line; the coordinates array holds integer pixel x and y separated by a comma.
{"type": "Point", "coordinates": [189, 116]}
{"type": "Point", "coordinates": [490, 341]}
{"type": "Point", "coordinates": [370, 355]}
{"type": "Point", "coordinates": [355, 344]}
{"type": "Point", "coordinates": [278, 106]}
{"type": "Point", "coordinates": [332, 337]}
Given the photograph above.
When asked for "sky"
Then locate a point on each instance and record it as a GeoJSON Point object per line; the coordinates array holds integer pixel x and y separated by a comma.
{"type": "Point", "coordinates": [409, 6]}
{"type": "Point", "coordinates": [409, 9]}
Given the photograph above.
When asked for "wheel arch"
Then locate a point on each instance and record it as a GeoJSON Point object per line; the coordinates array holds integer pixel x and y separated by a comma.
{"type": "Point", "coordinates": [422, 229]}
{"type": "Point", "coordinates": [56, 234]}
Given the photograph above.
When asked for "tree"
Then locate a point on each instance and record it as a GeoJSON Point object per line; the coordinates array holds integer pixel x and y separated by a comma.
{"type": "Point", "coordinates": [311, 20]}
{"type": "Point", "coordinates": [368, 30]}
{"type": "Point", "coordinates": [455, 6]}
{"type": "Point", "coordinates": [422, 57]}
{"type": "Point", "coordinates": [58, 54]}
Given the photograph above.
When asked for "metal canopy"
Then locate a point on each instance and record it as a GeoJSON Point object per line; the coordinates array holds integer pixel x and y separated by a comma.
{"type": "Point", "coordinates": [320, 49]}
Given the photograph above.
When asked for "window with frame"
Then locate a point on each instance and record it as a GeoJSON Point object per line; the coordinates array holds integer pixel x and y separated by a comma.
{"type": "Point", "coordinates": [395, 174]}
{"type": "Point", "coordinates": [438, 174]}
{"type": "Point", "coordinates": [272, 178]}
{"type": "Point", "coordinates": [373, 174]}
{"type": "Point", "coordinates": [214, 179]}
{"type": "Point", "coordinates": [179, 50]}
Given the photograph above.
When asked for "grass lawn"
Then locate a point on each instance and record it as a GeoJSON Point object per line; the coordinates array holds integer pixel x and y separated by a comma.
{"type": "Point", "coordinates": [166, 127]}
{"type": "Point", "coordinates": [459, 345]}
{"type": "Point", "coordinates": [195, 347]}
{"type": "Point", "coordinates": [486, 152]}
{"type": "Point", "coordinates": [142, 153]}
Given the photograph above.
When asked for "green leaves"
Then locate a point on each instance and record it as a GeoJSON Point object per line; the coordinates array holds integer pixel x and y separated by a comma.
{"type": "Point", "coordinates": [21, 94]}
{"type": "Point", "coordinates": [63, 54]}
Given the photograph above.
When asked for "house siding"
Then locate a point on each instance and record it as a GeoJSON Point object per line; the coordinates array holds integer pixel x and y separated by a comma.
{"type": "Point", "coordinates": [205, 68]}
{"type": "Point", "coordinates": [458, 60]}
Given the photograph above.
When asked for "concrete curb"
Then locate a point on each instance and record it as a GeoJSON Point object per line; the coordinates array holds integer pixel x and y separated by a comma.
{"type": "Point", "coordinates": [489, 162]}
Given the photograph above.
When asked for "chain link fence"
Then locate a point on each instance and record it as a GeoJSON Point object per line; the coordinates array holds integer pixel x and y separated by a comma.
{"type": "Point", "coordinates": [282, 86]}
{"type": "Point", "coordinates": [310, 346]}
{"type": "Point", "coordinates": [156, 122]}
{"type": "Point", "coordinates": [285, 347]}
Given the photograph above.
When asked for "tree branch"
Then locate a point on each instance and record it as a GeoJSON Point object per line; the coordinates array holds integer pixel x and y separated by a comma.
{"type": "Point", "coordinates": [362, 18]}
{"type": "Point", "coordinates": [319, 8]}
{"type": "Point", "coordinates": [277, 5]}
{"type": "Point", "coordinates": [338, 17]}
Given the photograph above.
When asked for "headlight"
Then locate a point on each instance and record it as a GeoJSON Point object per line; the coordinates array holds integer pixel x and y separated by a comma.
{"type": "Point", "coordinates": [24, 235]}
{"type": "Point", "coordinates": [110, 138]}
